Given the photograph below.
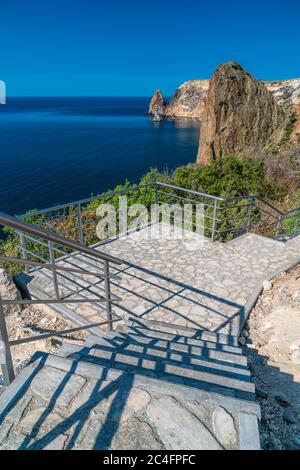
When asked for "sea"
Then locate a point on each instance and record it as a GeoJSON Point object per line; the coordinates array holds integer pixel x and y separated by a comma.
{"type": "Point", "coordinates": [58, 150]}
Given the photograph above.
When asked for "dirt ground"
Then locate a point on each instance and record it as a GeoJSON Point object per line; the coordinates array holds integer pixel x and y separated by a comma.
{"type": "Point", "coordinates": [272, 337]}
{"type": "Point", "coordinates": [32, 322]}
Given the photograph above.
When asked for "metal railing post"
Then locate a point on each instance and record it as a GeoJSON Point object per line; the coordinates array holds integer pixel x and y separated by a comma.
{"type": "Point", "coordinates": [250, 208]}
{"type": "Point", "coordinates": [54, 273]}
{"type": "Point", "coordinates": [213, 230]}
{"type": "Point", "coordinates": [156, 203]}
{"type": "Point", "coordinates": [5, 352]}
{"type": "Point", "coordinates": [79, 224]}
{"type": "Point", "coordinates": [108, 295]}
{"type": "Point", "coordinates": [278, 225]}
{"type": "Point", "coordinates": [23, 250]}
{"type": "Point", "coordinates": [295, 223]}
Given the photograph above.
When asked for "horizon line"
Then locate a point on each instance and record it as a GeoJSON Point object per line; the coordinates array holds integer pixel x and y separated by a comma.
{"type": "Point", "coordinates": [78, 96]}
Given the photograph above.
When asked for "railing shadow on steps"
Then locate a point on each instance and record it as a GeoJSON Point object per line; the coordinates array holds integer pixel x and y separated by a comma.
{"type": "Point", "coordinates": [53, 242]}
{"type": "Point", "coordinates": [117, 391]}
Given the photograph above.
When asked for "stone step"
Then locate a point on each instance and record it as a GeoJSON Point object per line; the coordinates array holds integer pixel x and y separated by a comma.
{"type": "Point", "coordinates": [184, 331]}
{"type": "Point", "coordinates": [171, 387]}
{"type": "Point", "coordinates": [163, 369]}
{"type": "Point", "coordinates": [173, 357]}
{"type": "Point", "coordinates": [177, 338]}
{"type": "Point", "coordinates": [211, 354]}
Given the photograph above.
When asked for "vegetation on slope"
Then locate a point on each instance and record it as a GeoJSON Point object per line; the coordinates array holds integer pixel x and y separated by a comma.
{"type": "Point", "coordinates": [226, 177]}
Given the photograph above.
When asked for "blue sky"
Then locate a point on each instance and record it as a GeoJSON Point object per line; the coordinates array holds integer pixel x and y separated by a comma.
{"type": "Point", "coordinates": [130, 47]}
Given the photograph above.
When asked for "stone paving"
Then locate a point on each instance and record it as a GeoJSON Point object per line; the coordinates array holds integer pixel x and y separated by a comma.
{"type": "Point", "coordinates": [76, 405]}
{"type": "Point", "coordinates": [177, 277]}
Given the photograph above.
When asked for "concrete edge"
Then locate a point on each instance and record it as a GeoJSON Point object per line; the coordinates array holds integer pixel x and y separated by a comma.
{"type": "Point", "coordinates": [249, 432]}
{"type": "Point", "coordinates": [259, 288]}
{"type": "Point", "coordinates": [15, 389]}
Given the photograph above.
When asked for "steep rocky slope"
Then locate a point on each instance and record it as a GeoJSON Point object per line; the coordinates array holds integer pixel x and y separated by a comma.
{"type": "Point", "coordinates": [286, 92]}
{"type": "Point", "coordinates": [273, 349]}
{"type": "Point", "coordinates": [240, 114]}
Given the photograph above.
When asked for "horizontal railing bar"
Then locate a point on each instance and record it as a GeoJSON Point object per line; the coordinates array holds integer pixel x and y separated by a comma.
{"type": "Point", "coordinates": [33, 254]}
{"type": "Point", "coordinates": [183, 222]}
{"type": "Point", "coordinates": [80, 287]}
{"type": "Point", "coordinates": [185, 198]}
{"type": "Point", "coordinates": [22, 226]}
{"type": "Point", "coordinates": [296, 209]}
{"type": "Point", "coordinates": [206, 216]}
{"type": "Point", "coordinates": [267, 213]}
{"type": "Point", "coordinates": [55, 301]}
{"type": "Point", "coordinates": [34, 240]}
{"type": "Point", "coordinates": [290, 216]}
{"type": "Point", "coordinates": [265, 224]}
{"type": "Point", "coordinates": [190, 191]}
{"type": "Point", "coordinates": [200, 215]}
{"type": "Point", "coordinates": [222, 208]}
{"type": "Point", "coordinates": [56, 267]}
{"type": "Point", "coordinates": [258, 198]}
{"type": "Point", "coordinates": [233, 218]}
{"type": "Point", "coordinates": [209, 196]}
{"type": "Point", "coordinates": [86, 200]}
{"type": "Point", "coordinates": [242, 227]}
{"type": "Point", "coordinates": [60, 333]}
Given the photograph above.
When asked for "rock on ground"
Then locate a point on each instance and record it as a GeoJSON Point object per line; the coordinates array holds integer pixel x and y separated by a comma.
{"type": "Point", "coordinates": [9, 291]}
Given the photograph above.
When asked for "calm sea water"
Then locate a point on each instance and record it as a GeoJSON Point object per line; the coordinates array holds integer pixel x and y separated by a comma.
{"type": "Point", "coordinates": [55, 150]}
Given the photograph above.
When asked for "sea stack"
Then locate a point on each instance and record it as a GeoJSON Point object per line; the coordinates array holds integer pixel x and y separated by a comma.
{"type": "Point", "coordinates": [157, 104]}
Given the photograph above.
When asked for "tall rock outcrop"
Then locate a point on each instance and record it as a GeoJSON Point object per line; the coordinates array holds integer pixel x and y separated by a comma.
{"type": "Point", "coordinates": [157, 104]}
{"type": "Point", "coordinates": [240, 114]}
{"type": "Point", "coordinates": [186, 102]}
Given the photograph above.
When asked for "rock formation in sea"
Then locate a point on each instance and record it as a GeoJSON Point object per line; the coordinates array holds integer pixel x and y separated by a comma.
{"type": "Point", "coordinates": [240, 114]}
{"type": "Point", "coordinates": [187, 101]}
{"type": "Point", "coordinates": [157, 104]}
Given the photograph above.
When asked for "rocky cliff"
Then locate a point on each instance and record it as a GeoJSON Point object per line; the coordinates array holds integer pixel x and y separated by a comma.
{"type": "Point", "coordinates": [286, 92]}
{"type": "Point", "coordinates": [187, 101]}
{"type": "Point", "coordinates": [240, 114]}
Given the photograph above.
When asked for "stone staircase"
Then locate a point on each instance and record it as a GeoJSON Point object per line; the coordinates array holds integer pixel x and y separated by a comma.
{"type": "Point", "coordinates": [147, 385]}
{"type": "Point", "coordinates": [189, 356]}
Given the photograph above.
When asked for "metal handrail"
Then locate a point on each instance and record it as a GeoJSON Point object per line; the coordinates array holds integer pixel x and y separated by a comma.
{"type": "Point", "coordinates": [295, 209]}
{"type": "Point", "coordinates": [159, 187]}
{"type": "Point", "coordinates": [209, 196]}
{"type": "Point", "coordinates": [85, 200]}
{"type": "Point", "coordinates": [279, 212]}
{"type": "Point", "coordinates": [12, 259]}
{"type": "Point", "coordinates": [21, 226]}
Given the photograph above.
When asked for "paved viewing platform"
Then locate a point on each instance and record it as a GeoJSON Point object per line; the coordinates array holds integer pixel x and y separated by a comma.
{"type": "Point", "coordinates": [174, 276]}
{"type": "Point", "coordinates": [172, 374]}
